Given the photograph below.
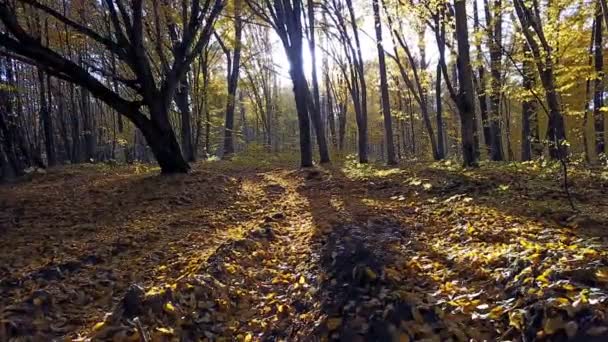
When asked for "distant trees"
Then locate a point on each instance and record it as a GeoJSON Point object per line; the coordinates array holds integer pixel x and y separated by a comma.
{"type": "Point", "coordinates": [533, 32]}
{"type": "Point", "coordinates": [285, 17]}
{"type": "Point", "coordinates": [233, 66]}
{"type": "Point", "coordinates": [202, 77]}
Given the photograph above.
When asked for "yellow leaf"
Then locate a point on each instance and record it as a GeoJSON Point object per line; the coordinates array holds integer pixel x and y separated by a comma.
{"type": "Point", "coordinates": [302, 280]}
{"type": "Point", "coordinates": [403, 337]}
{"type": "Point", "coordinates": [169, 307]}
{"type": "Point", "coordinates": [496, 312]}
{"type": "Point", "coordinates": [98, 326]}
{"type": "Point", "coordinates": [167, 331]}
{"type": "Point", "coordinates": [602, 275]}
{"type": "Point", "coordinates": [334, 323]}
{"type": "Point", "coordinates": [371, 275]}
{"type": "Point", "coordinates": [544, 277]}
{"type": "Point", "coordinates": [562, 301]}
{"type": "Point", "coordinates": [516, 319]}
{"type": "Point", "coordinates": [248, 338]}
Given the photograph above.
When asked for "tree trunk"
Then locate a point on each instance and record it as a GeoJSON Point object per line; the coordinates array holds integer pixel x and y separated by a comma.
{"type": "Point", "coordinates": [75, 128]}
{"type": "Point", "coordinates": [341, 125]}
{"type": "Point", "coordinates": [233, 81]}
{"type": "Point", "coordinates": [556, 132]}
{"type": "Point", "coordinates": [183, 104]}
{"type": "Point", "coordinates": [386, 108]}
{"type": "Point", "coordinates": [440, 137]}
{"type": "Point", "coordinates": [162, 141]}
{"type": "Point", "coordinates": [465, 90]}
{"type": "Point", "coordinates": [47, 122]}
{"type": "Point", "coordinates": [302, 97]}
{"type": "Point", "coordinates": [598, 100]}
{"type": "Point", "coordinates": [481, 86]}
{"type": "Point", "coordinates": [495, 25]}
{"type": "Point", "coordinates": [315, 110]}
{"type": "Point", "coordinates": [529, 126]}
{"type": "Point", "coordinates": [88, 125]}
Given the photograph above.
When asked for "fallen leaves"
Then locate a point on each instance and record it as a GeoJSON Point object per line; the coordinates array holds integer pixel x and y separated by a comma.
{"type": "Point", "coordinates": [358, 252]}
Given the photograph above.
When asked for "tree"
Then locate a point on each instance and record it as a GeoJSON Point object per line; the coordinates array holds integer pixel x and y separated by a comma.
{"type": "Point", "coordinates": [352, 69]}
{"type": "Point", "coordinates": [598, 93]}
{"type": "Point", "coordinates": [147, 91]}
{"type": "Point", "coordinates": [415, 83]}
{"type": "Point", "coordinates": [494, 24]}
{"type": "Point", "coordinates": [386, 108]}
{"type": "Point", "coordinates": [315, 105]}
{"type": "Point", "coordinates": [530, 132]}
{"type": "Point", "coordinates": [464, 101]}
{"type": "Point", "coordinates": [233, 61]}
{"type": "Point", "coordinates": [533, 32]}
{"type": "Point", "coordinates": [285, 16]}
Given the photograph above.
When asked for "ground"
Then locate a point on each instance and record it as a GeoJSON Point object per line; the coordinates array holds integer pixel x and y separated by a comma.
{"type": "Point", "coordinates": [247, 251]}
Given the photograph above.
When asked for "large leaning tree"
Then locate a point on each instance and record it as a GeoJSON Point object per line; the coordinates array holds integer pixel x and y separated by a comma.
{"type": "Point", "coordinates": [133, 34]}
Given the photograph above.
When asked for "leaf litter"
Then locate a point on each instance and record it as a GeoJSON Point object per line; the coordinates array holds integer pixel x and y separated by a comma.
{"type": "Point", "coordinates": [429, 253]}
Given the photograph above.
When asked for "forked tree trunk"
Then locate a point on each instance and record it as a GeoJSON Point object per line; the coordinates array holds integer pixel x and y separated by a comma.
{"type": "Point", "coordinates": [162, 141]}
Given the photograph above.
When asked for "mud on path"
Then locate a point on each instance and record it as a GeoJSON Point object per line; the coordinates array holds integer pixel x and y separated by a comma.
{"type": "Point", "coordinates": [231, 253]}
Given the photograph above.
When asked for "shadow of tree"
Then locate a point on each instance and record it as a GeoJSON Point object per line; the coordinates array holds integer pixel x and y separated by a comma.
{"type": "Point", "coordinates": [374, 285]}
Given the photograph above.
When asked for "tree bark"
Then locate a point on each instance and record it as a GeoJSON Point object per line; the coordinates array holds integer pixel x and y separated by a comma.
{"type": "Point", "coordinates": [183, 104]}
{"type": "Point", "coordinates": [556, 132]}
{"type": "Point", "coordinates": [315, 110]}
{"type": "Point", "coordinates": [440, 130]}
{"type": "Point", "coordinates": [386, 108]}
{"type": "Point", "coordinates": [529, 126]}
{"type": "Point", "coordinates": [233, 81]}
{"type": "Point", "coordinates": [481, 86]}
{"type": "Point", "coordinates": [494, 21]}
{"type": "Point", "coordinates": [598, 94]}
{"type": "Point", "coordinates": [465, 89]}
{"type": "Point", "coordinates": [47, 122]}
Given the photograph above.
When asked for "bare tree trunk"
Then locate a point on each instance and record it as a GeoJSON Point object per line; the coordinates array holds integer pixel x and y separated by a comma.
{"type": "Point", "coordinates": [529, 133]}
{"type": "Point", "coordinates": [440, 130]}
{"type": "Point", "coordinates": [47, 122]}
{"type": "Point", "coordinates": [481, 86]}
{"type": "Point", "coordinates": [183, 104]}
{"type": "Point", "coordinates": [386, 108]}
{"type": "Point", "coordinates": [586, 106]}
{"type": "Point", "coordinates": [233, 80]}
{"type": "Point", "coordinates": [598, 99]}
{"type": "Point", "coordinates": [465, 90]}
{"type": "Point", "coordinates": [315, 110]}
{"type": "Point", "coordinates": [556, 133]}
{"type": "Point", "coordinates": [494, 21]}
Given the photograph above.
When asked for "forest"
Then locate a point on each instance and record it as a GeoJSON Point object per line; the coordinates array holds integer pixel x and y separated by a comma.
{"type": "Point", "coordinates": [303, 170]}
